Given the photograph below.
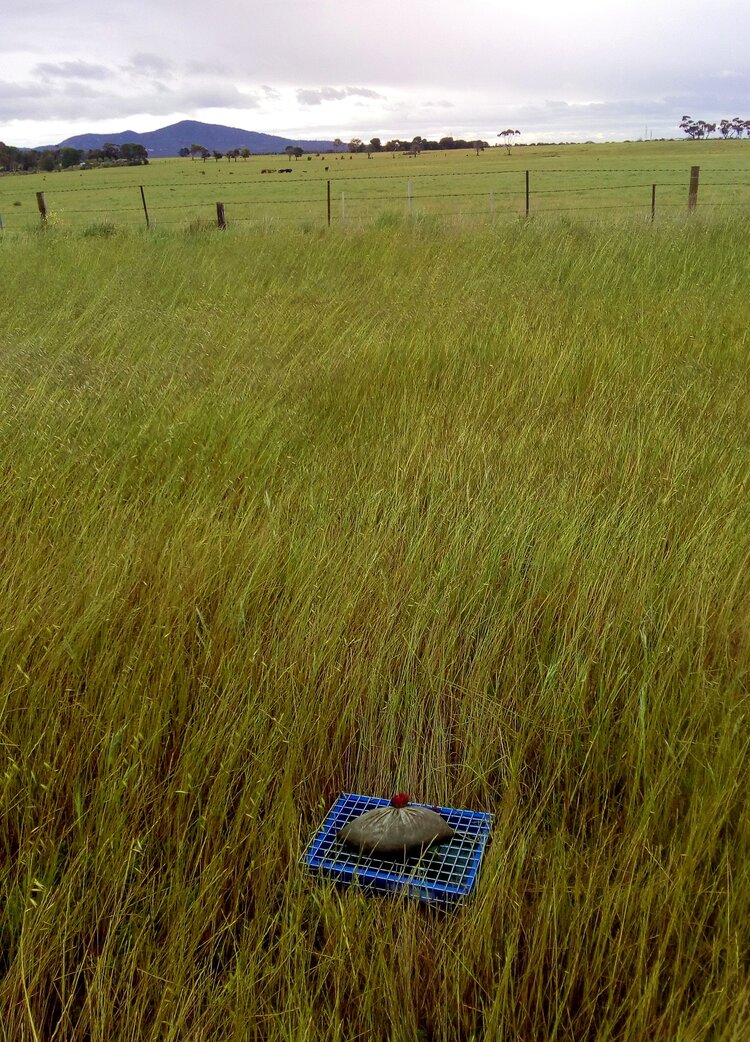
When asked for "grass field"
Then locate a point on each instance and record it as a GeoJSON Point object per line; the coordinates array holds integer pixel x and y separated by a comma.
{"type": "Point", "coordinates": [464, 514]}
{"type": "Point", "coordinates": [594, 179]}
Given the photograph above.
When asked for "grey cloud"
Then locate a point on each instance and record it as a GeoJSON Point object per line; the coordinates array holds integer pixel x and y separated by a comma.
{"type": "Point", "coordinates": [200, 68]}
{"type": "Point", "coordinates": [554, 119]}
{"type": "Point", "coordinates": [309, 96]}
{"type": "Point", "coordinates": [145, 64]}
{"type": "Point", "coordinates": [628, 116]}
{"type": "Point", "coordinates": [77, 101]}
{"type": "Point", "coordinates": [16, 97]}
{"type": "Point", "coordinates": [220, 97]}
{"type": "Point", "coordinates": [76, 70]}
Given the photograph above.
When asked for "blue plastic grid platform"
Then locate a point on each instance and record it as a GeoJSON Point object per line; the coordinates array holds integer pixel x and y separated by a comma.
{"type": "Point", "coordinates": [443, 874]}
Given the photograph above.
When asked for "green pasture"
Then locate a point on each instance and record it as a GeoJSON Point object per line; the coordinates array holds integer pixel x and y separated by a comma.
{"type": "Point", "coordinates": [464, 513]}
{"type": "Point", "coordinates": [591, 179]}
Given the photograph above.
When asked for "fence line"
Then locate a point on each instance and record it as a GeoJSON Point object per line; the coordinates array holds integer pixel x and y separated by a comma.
{"type": "Point", "coordinates": [570, 171]}
{"type": "Point", "coordinates": [528, 193]}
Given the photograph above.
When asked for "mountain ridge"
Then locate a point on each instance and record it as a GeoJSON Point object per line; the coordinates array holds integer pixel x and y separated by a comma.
{"type": "Point", "coordinates": [167, 141]}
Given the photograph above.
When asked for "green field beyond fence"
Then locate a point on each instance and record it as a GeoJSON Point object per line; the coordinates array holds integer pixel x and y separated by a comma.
{"type": "Point", "coordinates": [587, 179]}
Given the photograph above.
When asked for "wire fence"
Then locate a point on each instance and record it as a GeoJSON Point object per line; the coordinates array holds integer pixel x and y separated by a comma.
{"type": "Point", "coordinates": [275, 197]}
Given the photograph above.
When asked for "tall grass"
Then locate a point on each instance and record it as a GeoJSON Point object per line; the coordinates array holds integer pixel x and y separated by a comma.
{"type": "Point", "coordinates": [465, 515]}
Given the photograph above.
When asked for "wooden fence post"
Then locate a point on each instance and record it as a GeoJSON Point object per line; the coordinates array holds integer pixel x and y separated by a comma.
{"type": "Point", "coordinates": [693, 191]}
{"type": "Point", "coordinates": [328, 201]}
{"type": "Point", "coordinates": [409, 197]}
{"type": "Point", "coordinates": [145, 208]}
{"type": "Point", "coordinates": [220, 218]}
{"type": "Point", "coordinates": [653, 202]}
{"type": "Point", "coordinates": [527, 193]}
{"type": "Point", "coordinates": [42, 206]}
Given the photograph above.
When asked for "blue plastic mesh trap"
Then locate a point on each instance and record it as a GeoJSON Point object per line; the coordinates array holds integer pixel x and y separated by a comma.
{"type": "Point", "coordinates": [443, 874]}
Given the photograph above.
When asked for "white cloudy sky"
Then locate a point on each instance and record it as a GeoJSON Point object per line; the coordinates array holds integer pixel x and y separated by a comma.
{"type": "Point", "coordinates": [555, 69]}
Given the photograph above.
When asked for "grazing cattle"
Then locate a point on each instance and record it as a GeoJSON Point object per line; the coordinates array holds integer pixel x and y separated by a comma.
{"type": "Point", "coordinates": [269, 171]}
{"type": "Point", "coordinates": [285, 170]}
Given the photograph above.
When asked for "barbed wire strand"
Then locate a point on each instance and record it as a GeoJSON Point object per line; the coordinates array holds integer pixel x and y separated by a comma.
{"type": "Point", "coordinates": [539, 171]}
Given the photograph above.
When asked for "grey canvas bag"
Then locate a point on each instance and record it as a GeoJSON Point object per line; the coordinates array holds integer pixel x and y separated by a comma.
{"type": "Point", "coordinates": [398, 828]}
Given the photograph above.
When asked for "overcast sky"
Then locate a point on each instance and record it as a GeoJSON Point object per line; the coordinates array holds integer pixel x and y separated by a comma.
{"type": "Point", "coordinates": [554, 69]}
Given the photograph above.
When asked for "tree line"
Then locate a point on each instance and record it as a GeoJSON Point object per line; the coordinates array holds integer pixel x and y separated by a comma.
{"type": "Point", "coordinates": [699, 128]}
{"type": "Point", "coordinates": [29, 160]}
{"type": "Point", "coordinates": [205, 153]}
{"type": "Point", "coordinates": [416, 144]}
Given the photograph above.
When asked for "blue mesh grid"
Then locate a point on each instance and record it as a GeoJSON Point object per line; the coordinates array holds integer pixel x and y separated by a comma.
{"type": "Point", "coordinates": [443, 874]}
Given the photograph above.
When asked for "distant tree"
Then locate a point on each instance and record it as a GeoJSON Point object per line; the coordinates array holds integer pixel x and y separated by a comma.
{"type": "Point", "coordinates": [508, 136]}
{"type": "Point", "coordinates": [355, 145]}
{"type": "Point", "coordinates": [697, 129]}
{"type": "Point", "coordinates": [70, 157]}
{"type": "Point", "coordinates": [204, 153]}
{"type": "Point", "coordinates": [28, 159]}
{"type": "Point", "coordinates": [298, 151]}
{"type": "Point", "coordinates": [245, 153]}
{"type": "Point", "coordinates": [184, 153]}
{"type": "Point", "coordinates": [375, 145]}
{"type": "Point", "coordinates": [133, 154]}
{"type": "Point", "coordinates": [687, 126]}
{"type": "Point", "coordinates": [217, 154]}
{"type": "Point", "coordinates": [195, 150]}
{"type": "Point", "coordinates": [338, 143]}
{"type": "Point", "coordinates": [478, 146]}
{"type": "Point", "coordinates": [289, 150]}
{"type": "Point", "coordinates": [110, 150]}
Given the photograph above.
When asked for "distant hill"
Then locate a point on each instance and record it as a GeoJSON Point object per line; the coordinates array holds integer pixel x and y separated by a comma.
{"type": "Point", "coordinates": [169, 140]}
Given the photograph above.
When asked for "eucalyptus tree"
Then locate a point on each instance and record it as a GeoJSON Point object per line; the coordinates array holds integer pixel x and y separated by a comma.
{"type": "Point", "coordinates": [508, 136]}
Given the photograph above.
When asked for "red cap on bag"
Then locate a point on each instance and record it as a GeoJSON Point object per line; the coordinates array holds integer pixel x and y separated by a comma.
{"type": "Point", "coordinates": [401, 799]}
